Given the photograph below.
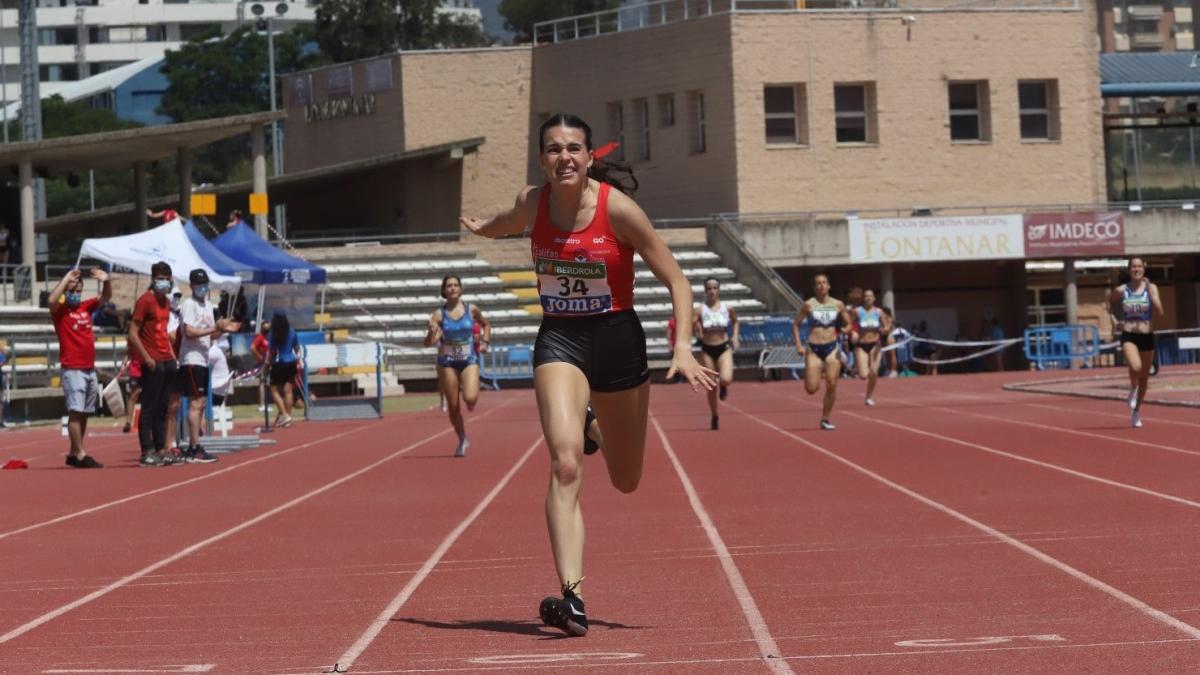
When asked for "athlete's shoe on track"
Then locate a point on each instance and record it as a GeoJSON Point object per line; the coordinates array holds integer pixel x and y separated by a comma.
{"type": "Point", "coordinates": [566, 613]}
{"type": "Point", "coordinates": [1133, 398]}
{"type": "Point", "coordinates": [716, 423]}
{"type": "Point", "coordinates": [870, 403]}
{"type": "Point", "coordinates": [827, 425]}
{"type": "Point", "coordinates": [461, 450]}
{"type": "Point", "coordinates": [589, 446]}
{"type": "Point", "coordinates": [1135, 420]}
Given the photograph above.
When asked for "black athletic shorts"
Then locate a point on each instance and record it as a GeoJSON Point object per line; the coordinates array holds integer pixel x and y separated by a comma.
{"type": "Point", "coordinates": [193, 381]}
{"type": "Point", "coordinates": [1143, 341]}
{"type": "Point", "coordinates": [714, 351]}
{"type": "Point", "coordinates": [609, 348]}
{"type": "Point", "coordinates": [282, 373]}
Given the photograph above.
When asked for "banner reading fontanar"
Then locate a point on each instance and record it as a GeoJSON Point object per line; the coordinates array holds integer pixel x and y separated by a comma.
{"type": "Point", "coordinates": [936, 238]}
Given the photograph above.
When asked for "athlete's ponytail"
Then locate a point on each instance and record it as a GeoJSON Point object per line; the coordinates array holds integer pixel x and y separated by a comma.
{"type": "Point", "coordinates": [617, 174]}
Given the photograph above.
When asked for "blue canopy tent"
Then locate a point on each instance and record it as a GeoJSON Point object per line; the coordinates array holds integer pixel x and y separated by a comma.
{"type": "Point", "coordinates": [243, 244]}
{"type": "Point", "coordinates": [218, 260]}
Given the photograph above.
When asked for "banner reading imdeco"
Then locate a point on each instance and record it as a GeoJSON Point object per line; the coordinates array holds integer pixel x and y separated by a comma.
{"type": "Point", "coordinates": [936, 238]}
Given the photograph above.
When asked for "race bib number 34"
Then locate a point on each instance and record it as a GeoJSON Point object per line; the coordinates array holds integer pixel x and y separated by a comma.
{"type": "Point", "coordinates": [573, 288]}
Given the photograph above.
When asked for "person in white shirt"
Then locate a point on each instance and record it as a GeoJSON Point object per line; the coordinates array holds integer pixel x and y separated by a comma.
{"type": "Point", "coordinates": [199, 324]}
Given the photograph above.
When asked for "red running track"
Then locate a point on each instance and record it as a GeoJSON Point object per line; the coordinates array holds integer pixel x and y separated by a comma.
{"type": "Point", "coordinates": [955, 527]}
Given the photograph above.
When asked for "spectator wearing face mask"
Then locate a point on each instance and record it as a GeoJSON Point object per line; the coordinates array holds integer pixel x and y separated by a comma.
{"type": "Point", "coordinates": [149, 342]}
{"type": "Point", "coordinates": [72, 317]}
{"type": "Point", "coordinates": [198, 326]}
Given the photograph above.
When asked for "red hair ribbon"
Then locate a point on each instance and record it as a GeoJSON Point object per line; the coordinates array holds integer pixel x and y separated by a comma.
{"type": "Point", "coordinates": [605, 149]}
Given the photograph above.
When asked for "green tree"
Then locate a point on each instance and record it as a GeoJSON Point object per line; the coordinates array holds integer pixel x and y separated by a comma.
{"type": "Point", "coordinates": [521, 15]}
{"type": "Point", "coordinates": [348, 30]}
{"type": "Point", "coordinates": [71, 192]}
{"type": "Point", "coordinates": [213, 76]}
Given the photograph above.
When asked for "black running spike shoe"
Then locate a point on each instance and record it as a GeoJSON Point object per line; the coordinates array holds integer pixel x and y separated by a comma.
{"type": "Point", "coordinates": [566, 613]}
{"type": "Point", "coordinates": [589, 446]}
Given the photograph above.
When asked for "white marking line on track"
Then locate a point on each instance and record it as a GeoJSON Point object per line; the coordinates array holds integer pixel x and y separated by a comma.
{"type": "Point", "coordinates": [49, 616]}
{"type": "Point", "coordinates": [1156, 420]}
{"type": "Point", "coordinates": [1022, 458]}
{"type": "Point", "coordinates": [758, 626]}
{"type": "Point", "coordinates": [346, 662]}
{"type": "Point", "coordinates": [1156, 614]}
{"type": "Point", "coordinates": [1030, 460]}
{"type": "Point", "coordinates": [808, 657]}
{"type": "Point", "coordinates": [172, 486]}
{"type": "Point", "coordinates": [1089, 434]}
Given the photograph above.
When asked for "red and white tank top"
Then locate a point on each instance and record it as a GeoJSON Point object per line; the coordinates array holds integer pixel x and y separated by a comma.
{"type": "Point", "coordinates": [581, 273]}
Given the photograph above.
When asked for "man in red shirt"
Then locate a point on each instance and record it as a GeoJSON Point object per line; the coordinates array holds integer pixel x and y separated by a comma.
{"type": "Point", "coordinates": [148, 341]}
{"type": "Point", "coordinates": [259, 348]}
{"type": "Point", "coordinates": [72, 317]}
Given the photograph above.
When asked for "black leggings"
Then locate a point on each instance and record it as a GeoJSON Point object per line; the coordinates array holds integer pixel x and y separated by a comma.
{"type": "Point", "coordinates": [152, 425]}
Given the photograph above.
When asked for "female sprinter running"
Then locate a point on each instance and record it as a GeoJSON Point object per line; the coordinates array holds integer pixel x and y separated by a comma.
{"type": "Point", "coordinates": [452, 328]}
{"type": "Point", "coordinates": [1139, 302]}
{"type": "Point", "coordinates": [822, 314]}
{"type": "Point", "coordinates": [712, 320]}
{"type": "Point", "coordinates": [871, 324]}
{"type": "Point", "coordinates": [591, 343]}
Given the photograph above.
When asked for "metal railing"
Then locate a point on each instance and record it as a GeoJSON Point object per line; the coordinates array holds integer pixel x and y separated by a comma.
{"type": "Point", "coordinates": [665, 12]}
{"type": "Point", "coordinates": [14, 284]}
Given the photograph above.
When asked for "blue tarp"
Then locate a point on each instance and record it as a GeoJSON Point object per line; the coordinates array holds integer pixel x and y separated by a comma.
{"type": "Point", "coordinates": [242, 244]}
{"type": "Point", "coordinates": [218, 260]}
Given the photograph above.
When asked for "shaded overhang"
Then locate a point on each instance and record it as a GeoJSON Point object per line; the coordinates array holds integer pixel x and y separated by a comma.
{"type": "Point", "coordinates": [279, 187]}
{"type": "Point", "coordinates": [1140, 75]}
{"type": "Point", "coordinates": [111, 149]}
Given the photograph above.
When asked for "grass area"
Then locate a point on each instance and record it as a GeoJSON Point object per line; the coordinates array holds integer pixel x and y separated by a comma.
{"type": "Point", "coordinates": [396, 404]}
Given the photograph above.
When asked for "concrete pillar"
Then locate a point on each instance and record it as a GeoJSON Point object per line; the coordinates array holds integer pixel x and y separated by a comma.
{"type": "Point", "coordinates": [184, 166]}
{"type": "Point", "coordinates": [28, 241]}
{"type": "Point", "coordinates": [887, 287]}
{"type": "Point", "coordinates": [1070, 292]}
{"type": "Point", "coordinates": [139, 195]}
{"type": "Point", "coordinates": [258, 150]}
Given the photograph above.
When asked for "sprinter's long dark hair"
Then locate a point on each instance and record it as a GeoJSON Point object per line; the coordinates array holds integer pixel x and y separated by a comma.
{"type": "Point", "coordinates": [280, 328]}
{"type": "Point", "coordinates": [617, 174]}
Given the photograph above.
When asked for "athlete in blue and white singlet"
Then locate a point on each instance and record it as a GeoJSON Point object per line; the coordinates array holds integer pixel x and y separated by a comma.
{"type": "Point", "coordinates": [821, 315]}
{"type": "Point", "coordinates": [1138, 301]}
{"type": "Point", "coordinates": [452, 330]}
{"type": "Point", "coordinates": [870, 325]}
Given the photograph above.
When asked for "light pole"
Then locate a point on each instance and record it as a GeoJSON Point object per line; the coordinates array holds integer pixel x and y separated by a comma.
{"type": "Point", "coordinates": [265, 23]}
{"type": "Point", "coordinates": [3, 74]}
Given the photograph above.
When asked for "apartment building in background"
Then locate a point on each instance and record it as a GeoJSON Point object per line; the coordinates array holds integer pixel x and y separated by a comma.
{"type": "Point", "coordinates": [79, 39]}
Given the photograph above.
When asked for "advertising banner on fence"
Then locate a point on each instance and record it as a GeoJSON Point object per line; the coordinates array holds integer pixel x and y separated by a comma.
{"type": "Point", "coordinates": [1049, 235]}
{"type": "Point", "coordinates": [936, 238]}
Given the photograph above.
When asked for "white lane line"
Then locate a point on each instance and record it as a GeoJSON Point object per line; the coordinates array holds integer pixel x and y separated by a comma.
{"type": "Point", "coordinates": [758, 626]}
{"type": "Point", "coordinates": [1089, 434]}
{"type": "Point", "coordinates": [51, 615]}
{"type": "Point", "coordinates": [576, 664]}
{"type": "Point", "coordinates": [172, 486]}
{"type": "Point", "coordinates": [1156, 614]}
{"type": "Point", "coordinates": [346, 661]}
{"type": "Point", "coordinates": [1027, 460]}
{"type": "Point", "coordinates": [1156, 420]}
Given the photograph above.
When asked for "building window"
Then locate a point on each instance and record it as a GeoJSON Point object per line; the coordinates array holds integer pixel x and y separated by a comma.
{"type": "Point", "coordinates": [59, 72]}
{"type": "Point", "coordinates": [641, 112]}
{"type": "Point", "coordinates": [854, 112]}
{"type": "Point", "coordinates": [1039, 109]}
{"type": "Point", "coordinates": [784, 107]}
{"type": "Point", "coordinates": [969, 111]}
{"type": "Point", "coordinates": [192, 31]}
{"type": "Point", "coordinates": [697, 131]}
{"type": "Point", "coordinates": [616, 128]}
{"type": "Point", "coordinates": [666, 110]}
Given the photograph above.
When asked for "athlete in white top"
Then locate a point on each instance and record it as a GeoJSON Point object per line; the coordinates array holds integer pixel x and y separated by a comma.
{"type": "Point", "coordinates": [1139, 303]}
{"type": "Point", "coordinates": [717, 325]}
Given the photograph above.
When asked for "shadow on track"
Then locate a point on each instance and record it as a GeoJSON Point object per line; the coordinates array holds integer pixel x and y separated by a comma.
{"type": "Point", "coordinates": [531, 628]}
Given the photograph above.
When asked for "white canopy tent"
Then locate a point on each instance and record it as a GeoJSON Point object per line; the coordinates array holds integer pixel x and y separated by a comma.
{"type": "Point", "coordinates": [167, 243]}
